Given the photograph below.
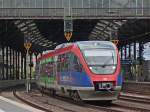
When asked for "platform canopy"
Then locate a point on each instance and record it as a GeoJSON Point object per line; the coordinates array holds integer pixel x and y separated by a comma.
{"type": "Point", "coordinates": [47, 34]}
{"type": "Point", "coordinates": [43, 34]}
{"type": "Point", "coordinates": [77, 9]}
{"type": "Point", "coordinates": [42, 21]}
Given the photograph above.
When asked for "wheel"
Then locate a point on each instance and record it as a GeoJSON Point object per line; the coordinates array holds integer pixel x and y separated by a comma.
{"type": "Point", "coordinates": [52, 92]}
{"type": "Point", "coordinates": [108, 102]}
{"type": "Point", "coordinates": [42, 90]}
{"type": "Point", "coordinates": [76, 97]}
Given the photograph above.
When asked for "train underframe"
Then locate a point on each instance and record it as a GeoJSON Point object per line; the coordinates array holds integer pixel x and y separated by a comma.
{"type": "Point", "coordinates": [84, 94]}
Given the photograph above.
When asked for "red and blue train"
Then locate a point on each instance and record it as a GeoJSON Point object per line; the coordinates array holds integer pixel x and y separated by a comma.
{"type": "Point", "coordinates": [84, 70]}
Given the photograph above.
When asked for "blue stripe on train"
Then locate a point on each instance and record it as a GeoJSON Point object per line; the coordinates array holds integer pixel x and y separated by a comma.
{"type": "Point", "coordinates": [79, 79]}
{"type": "Point", "coordinates": [119, 80]}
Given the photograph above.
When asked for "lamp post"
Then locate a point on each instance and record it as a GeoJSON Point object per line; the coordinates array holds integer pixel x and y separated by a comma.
{"type": "Point", "coordinates": [27, 45]}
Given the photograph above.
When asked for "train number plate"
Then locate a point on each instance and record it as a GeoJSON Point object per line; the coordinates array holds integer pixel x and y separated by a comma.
{"type": "Point", "coordinates": [105, 85]}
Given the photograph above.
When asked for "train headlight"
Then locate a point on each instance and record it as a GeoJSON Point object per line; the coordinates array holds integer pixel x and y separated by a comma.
{"type": "Point", "coordinates": [113, 67]}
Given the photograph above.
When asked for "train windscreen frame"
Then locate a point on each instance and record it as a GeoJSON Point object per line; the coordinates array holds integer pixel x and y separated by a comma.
{"type": "Point", "coordinates": [101, 58]}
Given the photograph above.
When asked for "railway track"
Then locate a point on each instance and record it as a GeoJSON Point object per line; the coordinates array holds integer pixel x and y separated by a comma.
{"type": "Point", "coordinates": [119, 106]}
{"type": "Point", "coordinates": [82, 106]}
{"type": "Point", "coordinates": [135, 98]}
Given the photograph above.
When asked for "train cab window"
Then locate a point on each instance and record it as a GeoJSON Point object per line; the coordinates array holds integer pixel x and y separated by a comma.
{"type": "Point", "coordinates": [101, 61]}
{"type": "Point", "coordinates": [76, 65]}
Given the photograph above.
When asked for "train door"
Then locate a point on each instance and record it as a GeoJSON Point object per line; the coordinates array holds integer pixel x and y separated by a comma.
{"type": "Point", "coordinates": [75, 63]}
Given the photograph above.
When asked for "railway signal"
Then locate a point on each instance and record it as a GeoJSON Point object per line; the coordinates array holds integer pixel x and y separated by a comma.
{"type": "Point", "coordinates": [27, 45]}
{"type": "Point", "coordinates": [68, 28]}
{"type": "Point", "coordinates": [68, 35]}
{"type": "Point", "coordinates": [116, 42]}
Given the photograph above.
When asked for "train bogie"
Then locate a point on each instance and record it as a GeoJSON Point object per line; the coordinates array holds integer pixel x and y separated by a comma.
{"type": "Point", "coordinates": [92, 95]}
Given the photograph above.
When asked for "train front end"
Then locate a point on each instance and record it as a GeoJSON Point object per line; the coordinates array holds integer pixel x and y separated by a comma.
{"type": "Point", "coordinates": [102, 66]}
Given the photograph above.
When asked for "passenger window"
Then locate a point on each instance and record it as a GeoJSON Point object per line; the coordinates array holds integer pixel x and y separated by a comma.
{"type": "Point", "coordinates": [76, 64]}
{"type": "Point", "coordinates": [59, 64]}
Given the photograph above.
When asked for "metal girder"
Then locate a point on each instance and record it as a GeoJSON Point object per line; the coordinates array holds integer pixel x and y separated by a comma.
{"type": "Point", "coordinates": [11, 35]}
{"type": "Point", "coordinates": [104, 35]}
{"type": "Point", "coordinates": [136, 30]}
{"type": "Point", "coordinates": [103, 24]}
{"type": "Point", "coordinates": [80, 9]}
{"type": "Point", "coordinates": [102, 32]}
{"type": "Point", "coordinates": [30, 29]}
{"type": "Point", "coordinates": [107, 26]}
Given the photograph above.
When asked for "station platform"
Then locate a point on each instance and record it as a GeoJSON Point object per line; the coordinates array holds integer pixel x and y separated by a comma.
{"type": "Point", "coordinates": [12, 83]}
{"type": "Point", "coordinates": [7, 105]}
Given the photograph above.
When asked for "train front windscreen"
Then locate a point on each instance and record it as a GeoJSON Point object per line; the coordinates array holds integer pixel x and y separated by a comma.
{"type": "Point", "coordinates": [101, 60]}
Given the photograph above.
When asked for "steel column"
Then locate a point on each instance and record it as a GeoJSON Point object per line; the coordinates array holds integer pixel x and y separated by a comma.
{"type": "Point", "coordinates": [140, 52]}
{"type": "Point", "coordinates": [13, 64]}
{"type": "Point", "coordinates": [129, 51]}
{"type": "Point", "coordinates": [30, 66]}
{"type": "Point", "coordinates": [21, 66]}
{"type": "Point", "coordinates": [25, 71]}
{"type": "Point", "coordinates": [36, 54]}
{"type": "Point", "coordinates": [7, 77]}
{"type": "Point", "coordinates": [10, 58]}
{"type": "Point", "coordinates": [16, 65]}
{"type": "Point", "coordinates": [125, 52]}
{"type": "Point", "coordinates": [136, 78]}
{"type": "Point", "coordinates": [3, 62]}
{"type": "Point", "coordinates": [135, 51]}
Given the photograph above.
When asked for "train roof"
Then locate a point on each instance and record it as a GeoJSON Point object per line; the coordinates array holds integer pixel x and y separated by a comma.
{"type": "Point", "coordinates": [104, 42]}
{"type": "Point", "coordinates": [81, 44]}
{"type": "Point", "coordinates": [85, 43]}
{"type": "Point", "coordinates": [57, 50]}
{"type": "Point", "coordinates": [95, 44]}
{"type": "Point", "coordinates": [63, 45]}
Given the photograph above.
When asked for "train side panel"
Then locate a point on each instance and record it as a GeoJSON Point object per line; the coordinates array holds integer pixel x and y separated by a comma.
{"type": "Point", "coordinates": [70, 72]}
{"type": "Point", "coordinates": [74, 80]}
{"type": "Point", "coordinates": [46, 77]}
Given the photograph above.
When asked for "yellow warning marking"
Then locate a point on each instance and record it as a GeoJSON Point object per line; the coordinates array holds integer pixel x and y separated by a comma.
{"type": "Point", "coordinates": [116, 42]}
{"type": "Point", "coordinates": [68, 35]}
{"type": "Point", "coordinates": [27, 45]}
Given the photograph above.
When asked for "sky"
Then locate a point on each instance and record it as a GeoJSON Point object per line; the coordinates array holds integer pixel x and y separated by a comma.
{"type": "Point", "coordinates": [147, 51]}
